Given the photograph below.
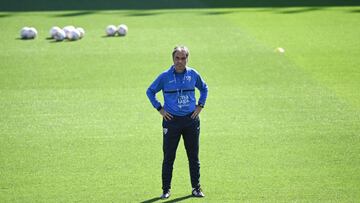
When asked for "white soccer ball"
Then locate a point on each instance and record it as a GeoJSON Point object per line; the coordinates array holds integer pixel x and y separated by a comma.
{"type": "Point", "coordinates": [24, 32]}
{"type": "Point", "coordinates": [60, 35]}
{"type": "Point", "coordinates": [81, 31]}
{"type": "Point", "coordinates": [280, 50]}
{"type": "Point", "coordinates": [32, 33]}
{"type": "Point", "coordinates": [68, 29]}
{"type": "Point", "coordinates": [28, 33]}
{"type": "Point", "coordinates": [111, 30]}
{"type": "Point", "coordinates": [73, 35]}
{"type": "Point", "coordinates": [53, 31]}
{"type": "Point", "coordinates": [122, 30]}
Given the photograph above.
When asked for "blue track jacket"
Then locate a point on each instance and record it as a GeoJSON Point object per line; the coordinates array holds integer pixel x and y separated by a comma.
{"type": "Point", "coordinates": [178, 91]}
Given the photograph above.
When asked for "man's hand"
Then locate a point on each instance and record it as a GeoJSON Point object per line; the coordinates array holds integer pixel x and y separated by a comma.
{"type": "Point", "coordinates": [165, 114]}
{"type": "Point", "coordinates": [196, 112]}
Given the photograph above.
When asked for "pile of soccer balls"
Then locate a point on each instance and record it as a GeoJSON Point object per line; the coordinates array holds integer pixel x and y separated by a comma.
{"type": "Point", "coordinates": [68, 32]}
{"type": "Point", "coordinates": [71, 33]}
{"type": "Point", "coordinates": [112, 30]}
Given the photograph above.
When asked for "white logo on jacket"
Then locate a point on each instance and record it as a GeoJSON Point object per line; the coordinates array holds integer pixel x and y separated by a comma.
{"type": "Point", "coordinates": [183, 100]}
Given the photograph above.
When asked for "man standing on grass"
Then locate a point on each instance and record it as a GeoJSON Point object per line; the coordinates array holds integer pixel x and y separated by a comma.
{"type": "Point", "coordinates": [180, 116]}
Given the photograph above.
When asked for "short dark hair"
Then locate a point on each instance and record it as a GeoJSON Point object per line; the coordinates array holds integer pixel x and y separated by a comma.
{"type": "Point", "coordinates": [180, 48]}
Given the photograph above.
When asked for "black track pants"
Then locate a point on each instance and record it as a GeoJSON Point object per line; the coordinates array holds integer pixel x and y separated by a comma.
{"type": "Point", "coordinates": [172, 130]}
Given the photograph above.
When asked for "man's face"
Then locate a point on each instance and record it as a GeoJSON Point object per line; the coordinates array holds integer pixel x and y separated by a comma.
{"type": "Point", "coordinates": [180, 61]}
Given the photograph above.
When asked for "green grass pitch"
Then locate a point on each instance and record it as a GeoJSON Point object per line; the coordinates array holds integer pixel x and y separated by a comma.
{"type": "Point", "coordinates": [76, 125]}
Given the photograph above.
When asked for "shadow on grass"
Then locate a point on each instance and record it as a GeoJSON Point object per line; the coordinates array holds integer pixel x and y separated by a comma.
{"type": "Point", "coordinates": [179, 199]}
{"type": "Point", "coordinates": [81, 13]}
{"type": "Point", "coordinates": [56, 41]}
{"type": "Point", "coordinates": [3, 15]}
{"type": "Point", "coordinates": [64, 5]}
{"type": "Point", "coordinates": [25, 39]}
{"type": "Point", "coordinates": [142, 14]}
{"type": "Point", "coordinates": [355, 11]}
{"type": "Point", "coordinates": [301, 10]}
{"type": "Point", "coordinates": [111, 37]}
{"type": "Point", "coordinates": [151, 200]}
{"type": "Point", "coordinates": [218, 12]}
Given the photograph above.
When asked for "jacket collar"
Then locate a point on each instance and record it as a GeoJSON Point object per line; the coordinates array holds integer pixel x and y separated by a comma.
{"type": "Point", "coordinates": [173, 69]}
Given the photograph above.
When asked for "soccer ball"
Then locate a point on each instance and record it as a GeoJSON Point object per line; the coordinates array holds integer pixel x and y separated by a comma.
{"type": "Point", "coordinates": [28, 33]}
{"type": "Point", "coordinates": [81, 31]}
{"type": "Point", "coordinates": [68, 29]}
{"type": "Point", "coordinates": [32, 33]}
{"type": "Point", "coordinates": [280, 50]}
{"type": "Point", "coordinates": [24, 32]}
{"type": "Point", "coordinates": [111, 30]}
{"type": "Point", "coordinates": [122, 30]}
{"type": "Point", "coordinates": [60, 35]}
{"type": "Point", "coordinates": [73, 35]}
{"type": "Point", "coordinates": [53, 31]}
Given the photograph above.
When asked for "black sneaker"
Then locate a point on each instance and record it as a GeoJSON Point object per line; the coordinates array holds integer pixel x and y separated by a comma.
{"type": "Point", "coordinates": [197, 192]}
{"type": "Point", "coordinates": [165, 195]}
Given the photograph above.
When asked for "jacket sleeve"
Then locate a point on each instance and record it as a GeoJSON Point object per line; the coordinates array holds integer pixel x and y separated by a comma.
{"type": "Point", "coordinates": [154, 88]}
{"type": "Point", "coordinates": [203, 88]}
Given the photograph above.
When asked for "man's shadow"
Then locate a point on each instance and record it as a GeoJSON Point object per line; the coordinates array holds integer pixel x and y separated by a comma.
{"type": "Point", "coordinates": [168, 201]}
